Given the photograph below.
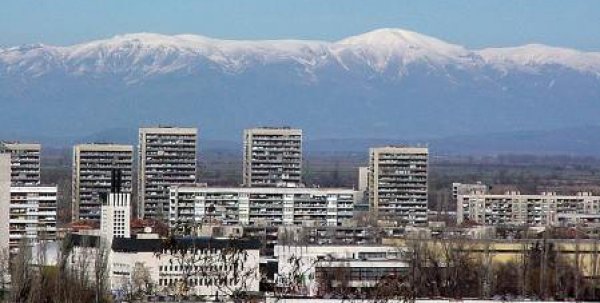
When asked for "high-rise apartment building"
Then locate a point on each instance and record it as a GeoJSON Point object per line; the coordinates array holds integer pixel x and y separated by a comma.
{"type": "Point", "coordinates": [25, 163]}
{"type": "Point", "coordinates": [92, 166]}
{"type": "Point", "coordinates": [398, 184]}
{"type": "Point", "coordinates": [272, 157]}
{"type": "Point", "coordinates": [167, 156]}
{"type": "Point", "coordinates": [32, 215]}
{"type": "Point", "coordinates": [4, 200]}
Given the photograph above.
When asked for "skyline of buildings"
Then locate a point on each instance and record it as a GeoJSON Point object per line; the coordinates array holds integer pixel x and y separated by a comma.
{"type": "Point", "coordinates": [273, 223]}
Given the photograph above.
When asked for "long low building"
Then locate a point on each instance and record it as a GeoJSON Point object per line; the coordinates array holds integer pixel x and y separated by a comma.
{"type": "Point", "coordinates": [214, 268]}
{"type": "Point", "coordinates": [512, 208]}
{"type": "Point", "coordinates": [262, 206]}
{"type": "Point", "coordinates": [321, 268]}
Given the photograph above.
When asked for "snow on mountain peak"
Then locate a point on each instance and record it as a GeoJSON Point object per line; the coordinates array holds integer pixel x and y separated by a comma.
{"type": "Point", "coordinates": [383, 46]}
{"type": "Point", "coordinates": [142, 54]}
{"type": "Point", "coordinates": [534, 55]}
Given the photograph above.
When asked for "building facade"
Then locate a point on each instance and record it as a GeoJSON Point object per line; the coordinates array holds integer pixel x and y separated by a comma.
{"type": "Point", "coordinates": [167, 156]}
{"type": "Point", "coordinates": [512, 208]}
{"type": "Point", "coordinates": [4, 200]}
{"type": "Point", "coordinates": [398, 184]}
{"type": "Point", "coordinates": [466, 189]}
{"type": "Point", "coordinates": [25, 163]}
{"type": "Point", "coordinates": [116, 216]}
{"type": "Point", "coordinates": [215, 270]}
{"type": "Point", "coordinates": [272, 157]}
{"type": "Point", "coordinates": [92, 167]}
{"type": "Point", "coordinates": [356, 267]}
{"type": "Point", "coordinates": [32, 215]}
{"type": "Point", "coordinates": [264, 206]}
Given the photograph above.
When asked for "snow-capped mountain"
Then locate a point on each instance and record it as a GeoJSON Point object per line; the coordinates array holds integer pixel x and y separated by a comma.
{"type": "Point", "coordinates": [387, 82]}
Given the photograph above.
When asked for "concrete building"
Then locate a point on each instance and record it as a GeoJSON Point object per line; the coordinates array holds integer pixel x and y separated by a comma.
{"type": "Point", "coordinates": [398, 184]}
{"type": "Point", "coordinates": [25, 163]}
{"type": "Point", "coordinates": [265, 206]}
{"type": "Point", "coordinates": [512, 208]}
{"type": "Point", "coordinates": [32, 215]}
{"type": "Point", "coordinates": [272, 157]}
{"type": "Point", "coordinates": [466, 189]}
{"type": "Point", "coordinates": [355, 267]}
{"type": "Point", "coordinates": [213, 267]}
{"type": "Point", "coordinates": [92, 166]}
{"type": "Point", "coordinates": [116, 211]}
{"type": "Point", "coordinates": [167, 156]}
{"type": "Point", "coordinates": [4, 200]}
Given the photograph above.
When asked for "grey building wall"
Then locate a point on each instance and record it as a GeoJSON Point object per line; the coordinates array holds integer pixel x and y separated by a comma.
{"type": "Point", "coordinates": [4, 200]}
{"type": "Point", "coordinates": [167, 157]}
{"type": "Point", "coordinates": [272, 157]}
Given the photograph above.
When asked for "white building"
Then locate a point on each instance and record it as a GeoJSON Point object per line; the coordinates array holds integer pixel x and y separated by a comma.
{"type": "Point", "coordinates": [262, 206]}
{"type": "Point", "coordinates": [212, 266]}
{"type": "Point", "coordinates": [25, 162]}
{"type": "Point", "coordinates": [116, 216]}
{"type": "Point", "coordinates": [466, 189]}
{"type": "Point", "coordinates": [398, 184]}
{"type": "Point", "coordinates": [4, 200]}
{"type": "Point", "coordinates": [513, 208]}
{"type": "Point", "coordinates": [360, 266]}
{"type": "Point", "coordinates": [272, 157]}
{"type": "Point", "coordinates": [167, 156]}
{"type": "Point", "coordinates": [92, 166]}
{"type": "Point", "coordinates": [32, 215]}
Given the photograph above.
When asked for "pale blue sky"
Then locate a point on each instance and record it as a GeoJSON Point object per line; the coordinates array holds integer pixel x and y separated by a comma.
{"type": "Point", "coordinates": [476, 23]}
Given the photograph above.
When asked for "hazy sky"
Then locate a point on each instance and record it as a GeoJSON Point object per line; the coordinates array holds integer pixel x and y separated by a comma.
{"type": "Point", "coordinates": [474, 23]}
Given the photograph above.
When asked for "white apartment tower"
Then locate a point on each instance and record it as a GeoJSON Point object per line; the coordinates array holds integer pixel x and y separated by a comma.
{"type": "Point", "coordinates": [92, 166]}
{"type": "Point", "coordinates": [167, 156]}
{"type": "Point", "coordinates": [4, 200]}
{"type": "Point", "coordinates": [398, 184]}
{"type": "Point", "coordinates": [32, 215]}
{"type": "Point", "coordinates": [272, 157]}
{"type": "Point", "coordinates": [116, 211]}
{"type": "Point", "coordinates": [25, 162]}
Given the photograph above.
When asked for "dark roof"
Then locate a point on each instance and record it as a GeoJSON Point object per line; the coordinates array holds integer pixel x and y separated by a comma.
{"type": "Point", "coordinates": [155, 245]}
{"type": "Point", "coordinates": [83, 240]}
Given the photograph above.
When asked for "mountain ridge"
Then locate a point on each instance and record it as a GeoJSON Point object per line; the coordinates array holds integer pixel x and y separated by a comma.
{"type": "Point", "coordinates": [386, 83]}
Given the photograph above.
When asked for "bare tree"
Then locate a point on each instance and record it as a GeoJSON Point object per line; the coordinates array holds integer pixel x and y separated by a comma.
{"type": "Point", "coordinates": [226, 268]}
{"type": "Point", "coordinates": [4, 271]}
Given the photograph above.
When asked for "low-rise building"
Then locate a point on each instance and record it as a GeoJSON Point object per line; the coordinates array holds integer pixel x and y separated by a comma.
{"type": "Point", "coordinates": [466, 189]}
{"type": "Point", "coordinates": [514, 208]}
{"type": "Point", "coordinates": [209, 267]}
{"type": "Point", "coordinates": [267, 206]}
{"type": "Point", "coordinates": [322, 267]}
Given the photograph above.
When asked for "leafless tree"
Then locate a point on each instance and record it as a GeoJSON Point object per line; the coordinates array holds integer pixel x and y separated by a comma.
{"type": "Point", "coordinates": [4, 271]}
{"type": "Point", "coordinates": [226, 268]}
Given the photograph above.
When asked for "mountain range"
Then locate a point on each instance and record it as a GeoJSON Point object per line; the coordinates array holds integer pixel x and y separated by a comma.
{"type": "Point", "coordinates": [388, 83]}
